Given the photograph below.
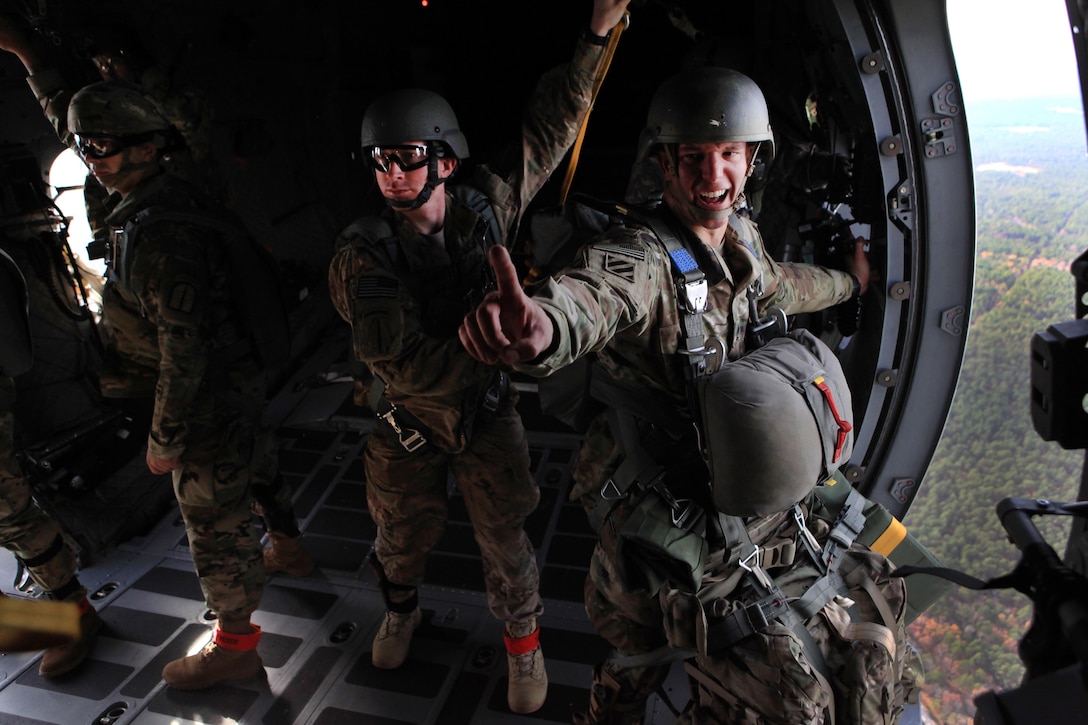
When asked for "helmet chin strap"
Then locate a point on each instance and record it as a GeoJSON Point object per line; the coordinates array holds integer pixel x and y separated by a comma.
{"type": "Point", "coordinates": [425, 193]}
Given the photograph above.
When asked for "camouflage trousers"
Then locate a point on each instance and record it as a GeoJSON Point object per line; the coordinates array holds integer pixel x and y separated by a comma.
{"type": "Point", "coordinates": [25, 530]}
{"type": "Point", "coordinates": [214, 499]}
{"type": "Point", "coordinates": [408, 500]}
{"type": "Point", "coordinates": [267, 485]}
{"type": "Point", "coordinates": [625, 618]}
{"type": "Point", "coordinates": [629, 619]}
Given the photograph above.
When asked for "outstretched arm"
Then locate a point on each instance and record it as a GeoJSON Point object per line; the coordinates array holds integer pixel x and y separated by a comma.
{"type": "Point", "coordinates": [508, 326]}
{"type": "Point", "coordinates": [14, 39]}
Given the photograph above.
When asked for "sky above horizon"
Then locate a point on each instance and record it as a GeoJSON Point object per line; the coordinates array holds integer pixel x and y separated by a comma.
{"type": "Point", "coordinates": [1004, 50]}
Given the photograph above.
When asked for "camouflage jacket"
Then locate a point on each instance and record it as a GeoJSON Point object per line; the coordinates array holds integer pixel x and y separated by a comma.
{"type": "Point", "coordinates": [617, 300]}
{"type": "Point", "coordinates": [406, 300]}
{"type": "Point", "coordinates": [179, 278]}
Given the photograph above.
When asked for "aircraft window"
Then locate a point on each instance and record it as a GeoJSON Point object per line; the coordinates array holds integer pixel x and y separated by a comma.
{"type": "Point", "coordinates": [67, 176]}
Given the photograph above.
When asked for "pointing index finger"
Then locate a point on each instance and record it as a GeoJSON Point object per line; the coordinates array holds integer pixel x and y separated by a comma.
{"type": "Point", "coordinates": [506, 274]}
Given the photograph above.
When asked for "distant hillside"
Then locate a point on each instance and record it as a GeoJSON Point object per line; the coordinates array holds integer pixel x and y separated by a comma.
{"type": "Point", "coordinates": [1032, 221]}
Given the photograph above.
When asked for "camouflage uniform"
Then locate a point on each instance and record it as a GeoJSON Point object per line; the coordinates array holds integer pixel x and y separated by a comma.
{"type": "Point", "coordinates": [404, 316]}
{"type": "Point", "coordinates": [130, 368]}
{"type": "Point", "coordinates": [618, 300]}
{"type": "Point", "coordinates": [125, 373]}
{"type": "Point", "coordinates": [26, 531]}
{"type": "Point", "coordinates": [207, 411]}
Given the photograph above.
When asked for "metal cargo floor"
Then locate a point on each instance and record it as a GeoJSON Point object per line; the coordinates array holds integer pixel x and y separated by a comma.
{"type": "Point", "coordinates": [318, 629]}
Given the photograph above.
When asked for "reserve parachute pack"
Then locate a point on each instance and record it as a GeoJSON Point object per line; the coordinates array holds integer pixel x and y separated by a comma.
{"type": "Point", "coordinates": [258, 287]}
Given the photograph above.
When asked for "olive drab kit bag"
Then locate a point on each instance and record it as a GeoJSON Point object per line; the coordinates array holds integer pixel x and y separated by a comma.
{"type": "Point", "coordinates": [772, 593]}
{"type": "Point", "coordinates": [260, 304]}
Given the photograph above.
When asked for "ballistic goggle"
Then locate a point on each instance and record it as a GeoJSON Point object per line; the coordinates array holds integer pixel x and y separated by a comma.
{"type": "Point", "coordinates": [408, 157]}
{"type": "Point", "coordinates": [101, 146]}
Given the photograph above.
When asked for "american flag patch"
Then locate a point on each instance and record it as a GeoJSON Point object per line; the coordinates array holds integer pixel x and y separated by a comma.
{"type": "Point", "coordinates": [375, 287]}
{"type": "Point", "coordinates": [633, 252]}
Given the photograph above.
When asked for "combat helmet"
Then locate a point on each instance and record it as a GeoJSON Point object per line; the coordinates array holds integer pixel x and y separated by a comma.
{"type": "Point", "coordinates": [707, 105]}
{"type": "Point", "coordinates": [116, 108]}
{"type": "Point", "coordinates": [412, 114]}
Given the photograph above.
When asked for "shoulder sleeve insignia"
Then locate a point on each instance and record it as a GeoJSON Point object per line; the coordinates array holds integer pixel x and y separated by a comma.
{"type": "Point", "coordinates": [619, 259]}
{"type": "Point", "coordinates": [182, 298]}
{"type": "Point", "coordinates": [622, 267]}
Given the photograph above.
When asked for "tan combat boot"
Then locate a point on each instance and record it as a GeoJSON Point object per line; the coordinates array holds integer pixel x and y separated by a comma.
{"type": "Point", "coordinates": [395, 635]}
{"type": "Point", "coordinates": [286, 556]}
{"type": "Point", "coordinates": [528, 680]}
{"type": "Point", "coordinates": [226, 658]}
{"type": "Point", "coordinates": [66, 657]}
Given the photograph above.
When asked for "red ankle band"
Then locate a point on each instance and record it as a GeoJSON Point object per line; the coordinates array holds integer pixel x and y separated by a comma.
{"type": "Point", "coordinates": [237, 642]}
{"type": "Point", "coordinates": [84, 606]}
{"type": "Point", "coordinates": [521, 645]}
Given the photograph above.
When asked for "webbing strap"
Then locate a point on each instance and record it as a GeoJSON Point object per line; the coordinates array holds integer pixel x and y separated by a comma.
{"type": "Point", "coordinates": [237, 642]}
{"type": "Point", "coordinates": [822, 591]}
{"type": "Point", "coordinates": [846, 528]}
{"type": "Point", "coordinates": [412, 437]}
{"type": "Point", "coordinates": [637, 469]}
{"type": "Point", "coordinates": [522, 645]}
{"type": "Point", "coordinates": [772, 604]}
{"type": "Point", "coordinates": [859, 578]}
{"type": "Point", "coordinates": [691, 294]}
{"type": "Point", "coordinates": [609, 51]}
{"type": "Point", "coordinates": [1008, 581]}
{"type": "Point", "coordinates": [411, 433]}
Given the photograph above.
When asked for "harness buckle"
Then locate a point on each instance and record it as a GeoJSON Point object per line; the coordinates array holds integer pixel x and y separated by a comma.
{"type": "Point", "coordinates": [694, 294]}
{"type": "Point", "coordinates": [682, 512]}
{"type": "Point", "coordinates": [610, 491]}
{"type": "Point", "coordinates": [755, 569]}
{"type": "Point", "coordinates": [494, 394]}
{"type": "Point", "coordinates": [807, 538]}
{"type": "Point", "coordinates": [410, 439]}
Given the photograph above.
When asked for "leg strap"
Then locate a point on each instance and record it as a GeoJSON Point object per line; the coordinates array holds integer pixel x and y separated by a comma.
{"type": "Point", "coordinates": [522, 645]}
{"type": "Point", "coordinates": [237, 642]}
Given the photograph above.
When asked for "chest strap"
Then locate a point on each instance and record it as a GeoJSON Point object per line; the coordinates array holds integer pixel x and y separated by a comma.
{"type": "Point", "coordinates": [639, 468]}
